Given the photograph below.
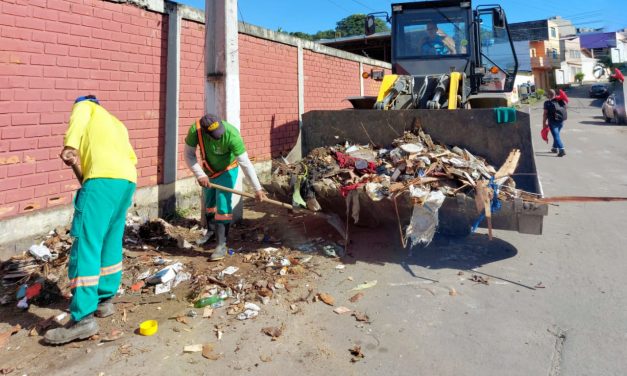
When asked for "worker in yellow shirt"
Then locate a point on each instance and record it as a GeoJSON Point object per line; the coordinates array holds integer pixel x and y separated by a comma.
{"type": "Point", "coordinates": [107, 160]}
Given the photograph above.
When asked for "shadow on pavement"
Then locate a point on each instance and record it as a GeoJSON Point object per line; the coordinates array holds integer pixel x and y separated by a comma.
{"type": "Point", "coordinates": [444, 252]}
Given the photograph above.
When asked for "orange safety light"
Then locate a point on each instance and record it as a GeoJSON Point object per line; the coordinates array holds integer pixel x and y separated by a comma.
{"type": "Point", "coordinates": [494, 70]}
{"type": "Point", "coordinates": [365, 75]}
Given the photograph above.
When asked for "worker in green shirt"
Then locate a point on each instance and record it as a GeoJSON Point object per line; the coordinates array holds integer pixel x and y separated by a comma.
{"type": "Point", "coordinates": [107, 162]}
{"type": "Point", "coordinates": [222, 152]}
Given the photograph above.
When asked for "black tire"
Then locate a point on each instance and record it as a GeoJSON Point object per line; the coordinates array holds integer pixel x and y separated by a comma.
{"type": "Point", "coordinates": [607, 120]}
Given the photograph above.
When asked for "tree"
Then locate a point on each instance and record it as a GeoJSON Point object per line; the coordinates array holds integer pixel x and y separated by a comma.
{"type": "Point", "coordinates": [355, 25]}
{"type": "Point", "coordinates": [327, 34]}
{"type": "Point", "coordinates": [301, 35]}
{"type": "Point", "coordinates": [579, 77]}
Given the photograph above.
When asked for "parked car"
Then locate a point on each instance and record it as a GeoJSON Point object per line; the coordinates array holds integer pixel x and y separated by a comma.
{"type": "Point", "coordinates": [613, 109]}
{"type": "Point", "coordinates": [599, 91]}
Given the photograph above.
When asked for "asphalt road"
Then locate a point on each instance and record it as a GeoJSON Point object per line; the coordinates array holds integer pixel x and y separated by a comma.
{"type": "Point", "coordinates": [554, 304]}
{"type": "Point", "coordinates": [575, 325]}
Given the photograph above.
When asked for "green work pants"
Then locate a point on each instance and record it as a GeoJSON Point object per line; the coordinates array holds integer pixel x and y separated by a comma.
{"type": "Point", "coordinates": [217, 202]}
{"type": "Point", "coordinates": [95, 266]}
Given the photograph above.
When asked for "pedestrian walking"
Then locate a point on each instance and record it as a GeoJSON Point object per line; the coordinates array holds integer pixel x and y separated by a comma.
{"type": "Point", "coordinates": [222, 152]}
{"type": "Point", "coordinates": [553, 118]}
{"type": "Point", "coordinates": [100, 142]}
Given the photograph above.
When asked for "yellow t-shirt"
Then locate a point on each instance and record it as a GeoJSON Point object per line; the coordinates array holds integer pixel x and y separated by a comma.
{"type": "Point", "coordinates": [102, 143]}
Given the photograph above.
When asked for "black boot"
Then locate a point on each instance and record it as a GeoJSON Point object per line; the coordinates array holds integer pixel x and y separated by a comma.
{"type": "Point", "coordinates": [74, 330]}
{"type": "Point", "coordinates": [220, 251]}
{"type": "Point", "coordinates": [561, 153]}
{"type": "Point", "coordinates": [211, 232]}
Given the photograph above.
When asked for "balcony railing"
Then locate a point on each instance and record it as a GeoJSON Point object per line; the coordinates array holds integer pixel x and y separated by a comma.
{"type": "Point", "coordinates": [544, 62]}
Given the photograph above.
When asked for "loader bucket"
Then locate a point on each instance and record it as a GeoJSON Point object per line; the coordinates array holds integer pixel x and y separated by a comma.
{"type": "Point", "coordinates": [475, 130]}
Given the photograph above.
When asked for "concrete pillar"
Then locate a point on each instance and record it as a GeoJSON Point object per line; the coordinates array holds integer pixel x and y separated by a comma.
{"type": "Point", "coordinates": [361, 79]}
{"type": "Point", "coordinates": [296, 153]}
{"type": "Point", "coordinates": [222, 94]}
{"type": "Point", "coordinates": [167, 190]}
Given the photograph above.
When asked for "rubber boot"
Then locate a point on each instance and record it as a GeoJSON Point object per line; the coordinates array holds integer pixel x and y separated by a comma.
{"type": "Point", "coordinates": [211, 231]}
{"type": "Point", "coordinates": [74, 330]}
{"type": "Point", "coordinates": [220, 251]}
{"type": "Point", "coordinates": [105, 308]}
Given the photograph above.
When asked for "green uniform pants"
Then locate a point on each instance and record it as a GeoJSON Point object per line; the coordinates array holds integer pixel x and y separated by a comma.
{"type": "Point", "coordinates": [95, 266]}
{"type": "Point", "coordinates": [217, 202]}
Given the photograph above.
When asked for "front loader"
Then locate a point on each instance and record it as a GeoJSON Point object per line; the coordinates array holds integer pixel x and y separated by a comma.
{"type": "Point", "coordinates": [452, 70]}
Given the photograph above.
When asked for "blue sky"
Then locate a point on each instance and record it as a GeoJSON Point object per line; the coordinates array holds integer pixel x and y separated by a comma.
{"type": "Point", "coordinates": [313, 16]}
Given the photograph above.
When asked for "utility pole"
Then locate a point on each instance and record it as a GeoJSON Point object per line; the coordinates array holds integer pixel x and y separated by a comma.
{"type": "Point", "coordinates": [222, 95]}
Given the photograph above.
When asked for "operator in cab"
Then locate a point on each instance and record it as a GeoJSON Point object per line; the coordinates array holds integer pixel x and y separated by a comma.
{"type": "Point", "coordinates": [436, 42]}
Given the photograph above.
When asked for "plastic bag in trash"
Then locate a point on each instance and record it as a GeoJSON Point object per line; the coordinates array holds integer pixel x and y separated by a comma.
{"type": "Point", "coordinates": [424, 219]}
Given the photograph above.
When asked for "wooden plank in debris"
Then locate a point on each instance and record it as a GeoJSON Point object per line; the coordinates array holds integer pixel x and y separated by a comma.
{"type": "Point", "coordinates": [508, 168]}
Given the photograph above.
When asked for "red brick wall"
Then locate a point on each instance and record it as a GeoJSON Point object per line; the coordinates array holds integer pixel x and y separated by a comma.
{"type": "Point", "coordinates": [328, 81]}
{"type": "Point", "coordinates": [52, 51]}
{"type": "Point", "coordinates": [269, 96]}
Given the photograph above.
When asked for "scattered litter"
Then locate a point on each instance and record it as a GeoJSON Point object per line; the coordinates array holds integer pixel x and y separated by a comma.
{"type": "Point", "coordinates": [479, 279]}
{"type": "Point", "coordinates": [230, 270]}
{"type": "Point", "coordinates": [355, 351]}
{"type": "Point", "coordinates": [247, 314]}
{"type": "Point", "coordinates": [360, 316]}
{"type": "Point", "coordinates": [207, 312]}
{"type": "Point", "coordinates": [193, 348]}
{"type": "Point", "coordinates": [452, 292]}
{"type": "Point", "coordinates": [113, 335]}
{"type": "Point", "coordinates": [191, 313]}
{"type": "Point", "coordinates": [207, 352]}
{"type": "Point", "coordinates": [148, 328]}
{"type": "Point", "coordinates": [60, 317]}
{"type": "Point", "coordinates": [340, 266]}
{"type": "Point", "coordinates": [265, 358]}
{"type": "Point", "coordinates": [165, 275]}
{"type": "Point", "coordinates": [365, 285]}
{"type": "Point", "coordinates": [4, 336]}
{"type": "Point", "coordinates": [163, 287]}
{"type": "Point", "coordinates": [326, 298]}
{"type": "Point", "coordinates": [40, 252]}
{"type": "Point", "coordinates": [355, 298]}
{"type": "Point", "coordinates": [272, 331]}
{"type": "Point", "coordinates": [539, 285]}
{"type": "Point", "coordinates": [342, 310]}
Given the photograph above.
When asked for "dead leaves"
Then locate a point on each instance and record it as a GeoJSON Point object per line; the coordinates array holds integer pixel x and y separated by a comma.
{"type": "Point", "coordinates": [356, 353]}
{"type": "Point", "coordinates": [357, 297]}
{"type": "Point", "coordinates": [326, 298]}
{"type": "Point", "coordinates": [272, 331]}
{"type": "Point", "coordinates": [4, 336]}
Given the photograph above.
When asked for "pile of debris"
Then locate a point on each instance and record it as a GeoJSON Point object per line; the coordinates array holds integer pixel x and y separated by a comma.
{"type": "Point", "coordinates": [158, 257]}
{"type": "Point", "coordinates": [412, 165]}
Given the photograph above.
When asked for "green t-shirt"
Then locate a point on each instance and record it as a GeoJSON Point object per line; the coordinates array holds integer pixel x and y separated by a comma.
{"type": "Point", "coordinates": [222, 152]}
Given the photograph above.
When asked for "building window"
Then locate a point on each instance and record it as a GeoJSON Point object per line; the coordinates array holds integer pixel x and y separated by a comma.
{"type": "Point", "coordinates": [554, 53]}
{"type": "Point", "coordinates": [553, 33]}
{"type": "Point", "coordinates": [532, 52]}
{"type": "Point", "coordinates": [574, 54]}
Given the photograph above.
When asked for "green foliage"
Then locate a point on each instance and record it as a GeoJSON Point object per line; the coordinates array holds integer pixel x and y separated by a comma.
{"type": "Point", "coordinates": [326, 34]}
{"type": "Point", "coordinates": [301, 35]}
{"type": "Point", "coordinates": [349, 26]}
{"type": "Point", "coordinates": [579, 77]}
{"type": "Point", "coordinates": [355, 25]}
{"type": "Point", "coordinates": [540, 92]}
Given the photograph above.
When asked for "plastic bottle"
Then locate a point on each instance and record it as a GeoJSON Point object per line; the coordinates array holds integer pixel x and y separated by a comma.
{"type": "Point", "coordinates": [208, 301]}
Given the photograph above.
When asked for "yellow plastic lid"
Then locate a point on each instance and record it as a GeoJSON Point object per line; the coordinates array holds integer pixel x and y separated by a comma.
{"type": "Point", "coordinates": [148, 328]}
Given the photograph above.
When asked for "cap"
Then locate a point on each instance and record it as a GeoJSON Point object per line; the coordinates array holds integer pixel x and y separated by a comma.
{"type": "Point", "coordinates": [91, 98]}
{"type": "Point", "coordinates": [212, 124]}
